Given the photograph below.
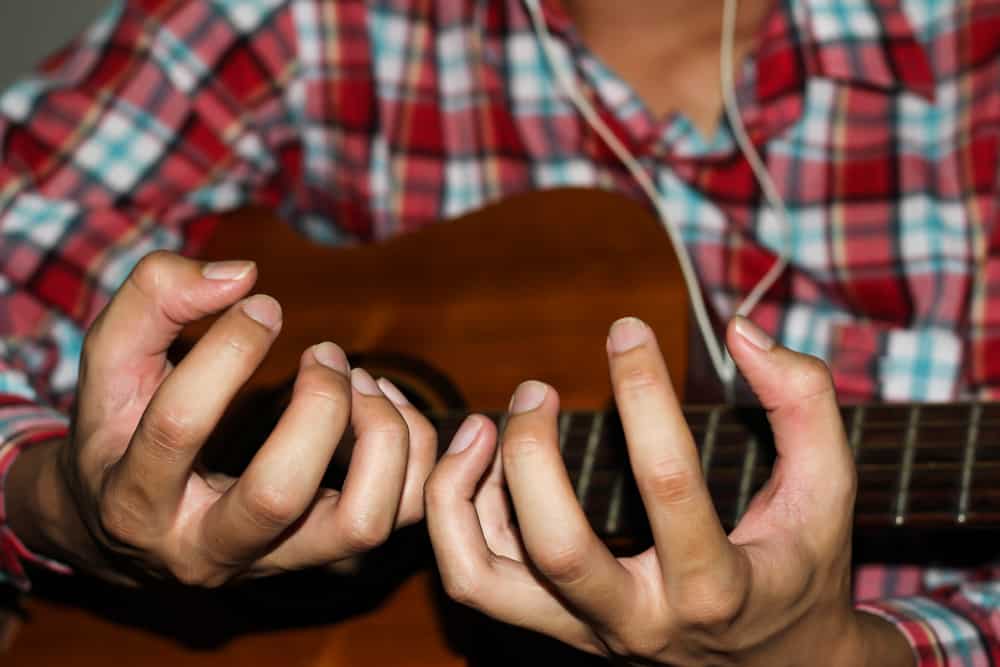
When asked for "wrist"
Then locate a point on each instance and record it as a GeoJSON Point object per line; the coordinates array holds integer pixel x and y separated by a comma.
{"type": "Point", "coordinates": [39, 509]}
{"type": "Point", "coordinates": [875, 642]}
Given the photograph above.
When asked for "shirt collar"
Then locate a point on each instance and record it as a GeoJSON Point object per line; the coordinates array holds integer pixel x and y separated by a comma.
{"type": "Point", "coordinates": [865, 42]}
{"type": "Point", "coordinates": [868, 43]}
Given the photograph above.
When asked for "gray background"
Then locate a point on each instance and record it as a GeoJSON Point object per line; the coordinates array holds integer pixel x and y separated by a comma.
{"type": "Point", "coordinates": [31, 29]}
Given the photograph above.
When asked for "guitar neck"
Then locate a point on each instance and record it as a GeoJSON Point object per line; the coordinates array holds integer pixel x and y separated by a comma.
{"type": "Point", "coordinates": [927, 466]}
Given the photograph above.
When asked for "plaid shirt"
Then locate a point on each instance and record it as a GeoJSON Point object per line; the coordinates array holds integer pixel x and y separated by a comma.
{"type": "Point", "coordinates": [878, 119]}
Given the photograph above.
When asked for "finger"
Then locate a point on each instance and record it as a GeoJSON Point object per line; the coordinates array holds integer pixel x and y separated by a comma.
{"type": "Point", "coordinates": [797, 392]}
{"type": "Point", "coordinates": [557, 537]}
{"type": "Point", "coordinates": [689, 539]}
{"type": "Point", "coordinates": [451, 519]}
{"type": "Point", "coordinates": [367, 509]}
{"type": "Point", "coordinates": [472, 575]}
{"type": "Point", "coordinates": [339, 526]}
{"type": "Point", "coordinates": [124, 355]}
{"type": "Point", "coordinates": [283, 478]}
{"type": "Point", "coordinates": [496, 515]}
{"type": "Point", "coordinates": [423, 454]}
{"type": "Point", "coordinates": [191, 400]}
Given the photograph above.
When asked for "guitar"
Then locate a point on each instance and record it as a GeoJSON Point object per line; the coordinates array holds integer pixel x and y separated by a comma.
{"type": "Point", "coordinates": [526, 288]}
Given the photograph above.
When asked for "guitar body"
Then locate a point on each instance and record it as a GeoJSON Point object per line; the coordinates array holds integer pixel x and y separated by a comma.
{"type": "Point", "coordinates": [525, 289]}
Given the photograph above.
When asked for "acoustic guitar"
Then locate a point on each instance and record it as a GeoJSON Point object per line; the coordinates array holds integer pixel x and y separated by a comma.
{"type": "Point", "coordinates": [458, 314]}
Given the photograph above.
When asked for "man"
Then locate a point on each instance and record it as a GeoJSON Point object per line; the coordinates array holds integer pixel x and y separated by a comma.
{"type": "Point", "coordinates": [361, 120]}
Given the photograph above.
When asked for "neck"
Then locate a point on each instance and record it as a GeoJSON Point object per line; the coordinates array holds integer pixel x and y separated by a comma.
{"type": "Point", "coordinates": [668, 50]}
{"type": "Point", "coordinates": [666, 27]}
{"type": "Point", "coordinates": [673, 22]}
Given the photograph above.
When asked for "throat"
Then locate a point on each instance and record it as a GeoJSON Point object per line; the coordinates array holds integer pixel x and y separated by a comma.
{"type": "Point", "coordinates": [668, 51]}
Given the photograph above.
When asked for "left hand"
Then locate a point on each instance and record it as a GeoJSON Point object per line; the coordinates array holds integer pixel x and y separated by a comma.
{"type": "Point", "coordinates": [776, 591]}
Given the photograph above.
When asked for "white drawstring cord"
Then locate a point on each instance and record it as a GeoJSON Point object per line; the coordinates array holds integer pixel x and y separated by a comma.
{"type": "Point", "coordinates": [718, 355]}
{"type": "Point", "coordinates": [774, 198]}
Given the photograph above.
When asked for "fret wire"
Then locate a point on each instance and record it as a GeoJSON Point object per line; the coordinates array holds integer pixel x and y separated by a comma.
{"type": "Point", "coordinates": [968, 460]}
{"type": "Point", "coordinates": [708, 445]}
{"type": "Point", "coordinates": [957, 457]}
{"type": "Point", "coordinates": [615, 508]}
{"type": "Point", "coordinates": [589, 456]}
{"type": "Point", "coordinates": [564, 423]}
{"type": "Point", "coordinates": [746, 480]}
{"type": "Point", "coordinates": [734, 423]}
{"type": "Point", "coordinates": [906, 473]}
{"type": "Point", "coordinates": [737, 470]}
{"type": "Point", "coordinates": [857, 428]}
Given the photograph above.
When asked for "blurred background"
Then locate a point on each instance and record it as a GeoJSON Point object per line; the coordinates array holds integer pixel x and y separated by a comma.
{"type": "Point", "coordinates": [31, 29]}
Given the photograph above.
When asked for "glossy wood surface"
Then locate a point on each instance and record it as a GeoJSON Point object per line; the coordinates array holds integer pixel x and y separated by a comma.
{"type": "Point", "coordinates": [525, 289]}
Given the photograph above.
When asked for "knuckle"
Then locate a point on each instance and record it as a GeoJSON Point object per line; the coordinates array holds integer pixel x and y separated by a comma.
{"type": "Point", "coordinates": [411, 508]}
{"type": "Point", "coordinates": [166, 432]}
{"type": "Point", "coordinates": [438, 494]}
{"type": "Point", "coordinates": [462, 588]}
{"type": "Point", "coordinates": [421, 434]}
{"type": "Point", "coordinates": [811, 377]}
{"type": "Point", "coordinates": [239, 344]}
{"type": "Point", "coordinates": [120, 521]}
{"type": "Point", "coordinates": [392, 429]}
{"type": "Point", "coordinates": [410, 514]}
{"type": "Point", "coordinates": [198, 575]}
{"type": "Point", "coordinates": [670, 483]}
{"type": "Point", "coordinates": [318, 385]}
{"type": "Point", "coordinates": [521, 445]}
{"type": "Point", "coordinates": [148, 274]}
{"type": "Point", "coordinates": [563, 563]}
{"type": "Point", "coordinates": [704, 602]}
{"type": "Point", "coordinates": [638, 379]}
{"type": "Point", "coordinates": [270, 507]}
{"type": "Point", "coordinates": [639, 642]}
{"type": "Point", "coordinates": [366, 532]}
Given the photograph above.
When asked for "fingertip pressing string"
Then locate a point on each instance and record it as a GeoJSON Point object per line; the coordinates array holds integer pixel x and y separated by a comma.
{"type": "Point", "coordinates": [719, 356]}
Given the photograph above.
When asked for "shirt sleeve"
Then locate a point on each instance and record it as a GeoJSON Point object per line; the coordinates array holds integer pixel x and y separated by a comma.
{"type": "Point", "coordinates": [163, 115]}
{"type": "Point", "coordinates": [949, 617]}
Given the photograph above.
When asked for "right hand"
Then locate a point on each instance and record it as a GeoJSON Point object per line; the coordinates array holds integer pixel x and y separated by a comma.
{"type": "Point", "coordinates": [124, 497]}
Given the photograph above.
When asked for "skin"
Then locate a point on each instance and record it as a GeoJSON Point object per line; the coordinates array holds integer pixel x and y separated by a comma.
{"type": "Point", "coordinates": [776, 591]}
{"type": "Point", "coordinates": [124, 499]}
{"type": "Point", "coordinates": [671, 56]}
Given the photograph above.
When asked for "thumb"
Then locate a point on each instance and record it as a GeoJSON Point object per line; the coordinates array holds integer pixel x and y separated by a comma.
{"type": "Point", "coordinates": [125, 349]}
{"type": "Point", "coordinates": [797, 392]}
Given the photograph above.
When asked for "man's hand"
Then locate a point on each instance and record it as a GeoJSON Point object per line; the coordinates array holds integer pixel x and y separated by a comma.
{"type": "Point", "coordinates": [774, 592]}
{"type": "Point", "coordinates": [125, 497]}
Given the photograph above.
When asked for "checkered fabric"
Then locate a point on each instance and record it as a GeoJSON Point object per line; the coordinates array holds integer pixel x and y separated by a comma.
{"type": "Point", "coordinates": [879, 121]}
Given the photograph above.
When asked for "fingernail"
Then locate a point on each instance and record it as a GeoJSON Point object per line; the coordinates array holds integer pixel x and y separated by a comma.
{"type": "Point", "coordinates": [754, 334]}
{"type": "Point", "coordinates": [226, 270]}
{"type": "Point", "coordinates": [627, 333]}
{"type": "Point", "coordinates": [528, 396]}
{"type": "Point", "coordinates": [466, 435]}
{"type": "Point", "coordinates": [330, 355]}
{"type": "Point", "coordinates": [264, 310]}
{"type": "Point", "coordinates": [363, 382]}
{"type": "Point", "coordinates": [392, 392]}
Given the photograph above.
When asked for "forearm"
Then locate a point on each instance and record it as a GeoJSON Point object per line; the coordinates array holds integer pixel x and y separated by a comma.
{"type": "Point", "coordinates": [880, 644]}
{"type": "Point", "coordinates": [38, 505]}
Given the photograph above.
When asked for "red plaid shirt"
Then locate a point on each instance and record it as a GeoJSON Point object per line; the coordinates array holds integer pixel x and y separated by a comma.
{"type": "Point", "coordinates": [878, 119]}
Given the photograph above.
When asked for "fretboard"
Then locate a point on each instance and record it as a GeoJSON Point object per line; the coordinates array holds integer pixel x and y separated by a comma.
{"type": "Point", "coordinates": [927, 466]}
